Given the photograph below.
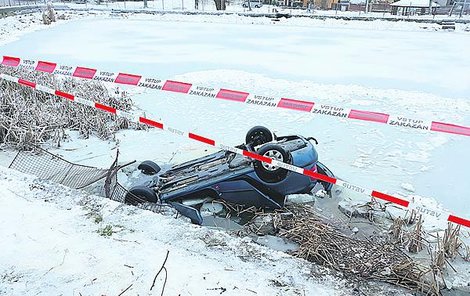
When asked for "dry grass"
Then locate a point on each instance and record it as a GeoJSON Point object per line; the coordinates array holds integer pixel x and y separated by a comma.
{"type": "Point", "coordinates": [377, 258]}
{"type": "Point", "coordinates": [28, 116]}
{"type": "Point", "coordinates": [415, 237]}
{"type": "Point", "coordinates": [321, 243]}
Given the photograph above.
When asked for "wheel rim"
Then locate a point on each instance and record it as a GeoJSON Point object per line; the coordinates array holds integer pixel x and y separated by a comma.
{"type": "Point", "coordinates": [273, 154]}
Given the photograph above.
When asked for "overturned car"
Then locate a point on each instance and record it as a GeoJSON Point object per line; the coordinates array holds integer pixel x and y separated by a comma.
{"type": "Point", "coordinates": [232, 178]}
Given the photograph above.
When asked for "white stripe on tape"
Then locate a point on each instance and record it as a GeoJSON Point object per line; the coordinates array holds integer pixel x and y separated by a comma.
{"type": "Point", "coordinates": [287, 166]}
{"type": "Point", "coordinates": [201, 91]}
{"type": "Point", "coordinates": [331, 110]}
{"type": "Point", "coordinates": [409, 122]}
{"type": "Point", "coordinates": [84, 102]}
{"type": "Point", "coordinates": [353, 187]}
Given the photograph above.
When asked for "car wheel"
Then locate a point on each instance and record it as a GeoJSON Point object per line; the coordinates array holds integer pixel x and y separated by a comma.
{"type": "Point", "coordinates": [149, 167]}
{"type": "Point", "coordinates": [270, 173]}
{"type": "Point", "coordinates": [140, 194]}
{"type": "Point", "coordinates": [258, 135]}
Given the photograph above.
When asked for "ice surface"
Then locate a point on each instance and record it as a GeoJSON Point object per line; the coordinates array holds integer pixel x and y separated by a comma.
{"type": "Point", "coordinates": [411, 72]}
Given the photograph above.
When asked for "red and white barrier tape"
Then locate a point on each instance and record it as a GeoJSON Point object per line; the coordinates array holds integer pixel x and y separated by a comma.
{"type": "Point", "coordinates": [143, 120]}
{"type": "Point", "coordinates": [234, 95]}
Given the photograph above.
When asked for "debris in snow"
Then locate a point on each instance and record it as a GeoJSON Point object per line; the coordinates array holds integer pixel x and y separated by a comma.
{"type": "Point", "coordinates": [321, 243]}
{"type": "Point", "coordinates": [321, 193]}
{"type": "Point", "coordinates": [48, 15]}
{"type": "Point", "coordinates": [300, 198]}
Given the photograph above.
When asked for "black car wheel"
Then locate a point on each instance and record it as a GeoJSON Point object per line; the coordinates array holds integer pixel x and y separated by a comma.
{"type": "Point", "coordinates": [149, 167]}
{"type": "Point", "coordinates": [140, 194]}
{"type": "Point", "coordinates": [258, 135]}
{"type": "Point", "coordinates": [270, 173]}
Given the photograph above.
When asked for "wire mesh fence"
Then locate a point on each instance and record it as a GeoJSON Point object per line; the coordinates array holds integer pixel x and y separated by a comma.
{"type": "Point", "coordinates": [45, 165]}
{"type": "Point", "coordinates": [48, 166]}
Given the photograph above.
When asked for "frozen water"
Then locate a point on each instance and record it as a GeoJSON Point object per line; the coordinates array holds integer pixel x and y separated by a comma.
{"type": "Point", "coordinates": [411, 72]}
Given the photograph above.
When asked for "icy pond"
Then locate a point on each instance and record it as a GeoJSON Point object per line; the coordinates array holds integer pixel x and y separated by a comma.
{"type": "Point", "coordinates": [421, 74]}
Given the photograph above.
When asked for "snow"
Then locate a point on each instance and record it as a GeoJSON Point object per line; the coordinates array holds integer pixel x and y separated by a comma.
{"type": "Point", "coordinates": [335, 62]}
{"type": "Point", "coordinates": [333, 65]}
{"type": "Point", "coordinates": [408, 69]}
{"type": "Point", "coordinates": [53, 243]}
{"type": "Point", "coordinates": [408, 187]}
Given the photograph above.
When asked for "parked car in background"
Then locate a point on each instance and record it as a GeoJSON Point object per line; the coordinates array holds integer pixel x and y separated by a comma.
{"type": "Point", "coordinates": [252, 4]}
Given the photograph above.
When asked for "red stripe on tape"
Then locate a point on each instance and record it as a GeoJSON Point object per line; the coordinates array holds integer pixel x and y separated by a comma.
{"type": "Point", "coordinates": [129, 79]}
{"type": "Point", "coordinates": [390, 198]}
{"type": "Point", "coordinates": [202, 139]}
{"type": "Point", "coordinates": [318, 176]}
{"type": "Point", "coordinates": [150, 122]}
{"type": "Point", "coordinates": [105, 108]}
{"type": "Point", "coordinates": [82, 72]}
{"type": "Point", "coordinates": [11, 61]}
{"type": "Point", "coordinates": [459, 220]}
{"type": "Point", "coordinates": [369, 116]}
{"type": "Point", "coordinates": [46, 67]}
{"type": "Point", "coordinates": [232, 95]}
{"type": "Point", "coordinates": [450, 128]}
{"type": "Point", "coordinates": [177, 86]}
{"type": "Point", "coordinates": [296, 105]}
{"type": "Point", "coordinates": [27, 83]}
{"type": "Point", "coordinates": [257, 156]}
{"type": "Point", "coordinates": [64, 95]}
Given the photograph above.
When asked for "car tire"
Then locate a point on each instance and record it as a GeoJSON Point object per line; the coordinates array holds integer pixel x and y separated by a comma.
{"type": "Point", "coordinates": [149, 167]}
{"type": "Point", "coordinates": [269, 173]}
{"type": "Point", "coordinates": [258, 135]}
{"type": "Point", "coordinates": [140, 194]}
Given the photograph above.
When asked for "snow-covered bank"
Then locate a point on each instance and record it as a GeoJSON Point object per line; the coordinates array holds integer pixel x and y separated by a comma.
{"type": "Point", "coordinates": [188, 6]}
{"type": "Point", "coordinates": [14, 26]}
{"type": "Point", "coordinates": [61, 241]}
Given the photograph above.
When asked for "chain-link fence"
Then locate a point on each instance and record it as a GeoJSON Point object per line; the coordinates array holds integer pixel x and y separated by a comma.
{"type": "Point", "coordinates": [51, 167]}
{"type": "Point", "coordinates": [48, 166]}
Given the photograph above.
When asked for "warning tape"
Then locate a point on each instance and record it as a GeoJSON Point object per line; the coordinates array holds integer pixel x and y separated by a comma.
{"type": "Point", "coordinates": [143, 120]}
{"type": "Point", "coordinates": [236, 96]}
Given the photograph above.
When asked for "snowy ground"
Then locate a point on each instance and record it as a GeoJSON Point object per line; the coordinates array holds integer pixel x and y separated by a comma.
{"type": "Point", "coordinates": [398, 68]}
{"type": "Point", "coordinates": [57, 241]}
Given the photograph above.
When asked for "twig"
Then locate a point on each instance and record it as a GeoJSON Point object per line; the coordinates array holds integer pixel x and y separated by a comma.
{"type": "Point", "coordinates": [161, 268]}
{"type": "Point", "coordinates": [63, 260]}
{"type": "Point", "coordinates": [125, 290]}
